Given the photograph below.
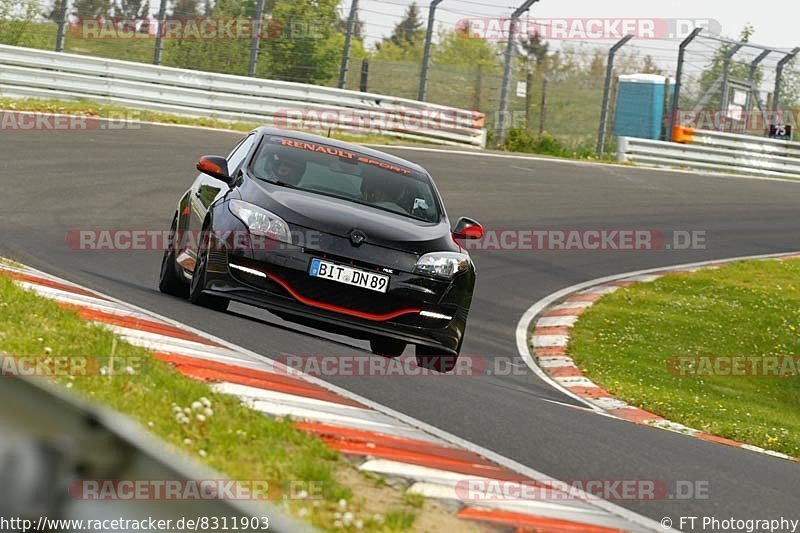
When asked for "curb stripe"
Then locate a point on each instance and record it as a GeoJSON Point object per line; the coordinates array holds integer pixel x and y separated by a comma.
{"type": "Point", "coordinates": [65, 287]}
{"type": "Point", "coordinates": [539, 524]}
{"type": "Point", "coordinates": [212, 371]}
{"type": "Point", "coordinates": [142, 325]}
{"type": "Point", "coordinates": [393, 444]}
{"type": "Point", "coordinates": [551, 361]}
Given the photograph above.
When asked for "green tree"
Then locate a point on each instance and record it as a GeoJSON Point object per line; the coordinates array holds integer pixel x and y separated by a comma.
{"type": "Point", "coordinates": [535, 49]}
{"type": "Point", "coordinates": [408, 33]}
{"type": "Point", "coordinates": [649, 66]}
{"type": "Point", "coordinates": [358, 30]}
{"type": "Point", "coordinates": [308, 45]}
{"type": "Point", "coordinates": [229, 56]}
{"type": "Point", "coordinates": [131, 9]}
{"type": "Point", "coordinates": [91, 9]}
{"type": "Point", "coordinates": [16, 18]}
{"type": "Point", "coordinates": [713, 72]}
{"type": "Point", "coordinates": [185, 9]}
{"type": "Point", "coordinates": [460, 47]}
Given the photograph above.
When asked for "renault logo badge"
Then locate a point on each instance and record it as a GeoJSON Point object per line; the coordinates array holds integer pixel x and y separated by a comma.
{"type": "Point", "coordinates": [357, 237]}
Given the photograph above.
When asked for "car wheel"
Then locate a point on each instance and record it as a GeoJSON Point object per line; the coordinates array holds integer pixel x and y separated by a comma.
{"type": "Point", "coordinates": [196, 295]}
{"type": "Point", "coordinates": [387, 347]}
{"type": "Point", "coordinates": [433, 359]}
{"type": "Point", "coordinates": [170, 281]}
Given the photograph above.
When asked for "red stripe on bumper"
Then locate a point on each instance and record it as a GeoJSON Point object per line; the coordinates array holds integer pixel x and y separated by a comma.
{"type": "Point", "coordinates": [338, 309]}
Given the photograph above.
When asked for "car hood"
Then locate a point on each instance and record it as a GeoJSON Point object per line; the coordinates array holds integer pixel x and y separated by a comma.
{"type": "Point", "coordinates": [339, 217]}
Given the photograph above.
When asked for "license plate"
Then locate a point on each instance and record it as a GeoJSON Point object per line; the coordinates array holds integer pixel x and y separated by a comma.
{"type": "Point", "coordinates": [349, 275]}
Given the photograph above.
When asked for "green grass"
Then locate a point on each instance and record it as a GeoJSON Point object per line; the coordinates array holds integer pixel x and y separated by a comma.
{"type": "Point", "coordinates": [626, 340]}
{"type": "Point", "coordinates": [95, 109]}
{"type": "Point", "coordinates": [233, 439]}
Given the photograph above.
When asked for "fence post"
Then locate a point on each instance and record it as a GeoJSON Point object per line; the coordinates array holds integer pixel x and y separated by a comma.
{"type": "Point", "coordinates": [256, 41]}
{"type": "Point", "coordinates": [478, 88]}
{"type": "Point", "coordinates": [776, 94]}
{"type": "Point", "coordinates": [426, 56]}
{"type": "Point", "coordinates": [62, 25]}
{"type": "Point", "coordinates": [543, 109]}
{"type": "Point", "coordinates": [726, 70]}
{"type": "Point", "coordinates": [364, 74]}
{"type": "Point", "coordinates": [528, 98]}
{"type": "Point", "coordinates": [509, 59]}
{"type": "Point", "coordinates": [601, 130]}
{"type": "Point", "coordinates": [162, 20]}
{"type": "Point", "coordinates": [678, 74]}
{"type": "Point", "coordinates": [665, 111]}
{"type": "Point", "coordinates": [351, 28]}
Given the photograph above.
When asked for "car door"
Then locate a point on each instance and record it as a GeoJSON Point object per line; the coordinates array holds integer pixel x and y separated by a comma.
{"type": "Point", "coordinates": [206, 190]}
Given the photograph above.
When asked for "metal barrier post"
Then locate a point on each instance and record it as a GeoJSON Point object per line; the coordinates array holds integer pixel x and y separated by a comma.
{"type": "Point", "coordinates": [509, 57]}
{"type": "Point", "coordinates": [351, 28]}
{"type": "Point", "coordinates": [678, 74]}
{"type": "Point", "coordinates": [776, 94]}
{"type": "Point", "coordinates": [364, 74]}
{"type": "Point", "coordinates": [726, 68]}
{"type": "Point", "coordinates": [162, 20]}
{"type": "Point", "coordinates": [62, 25]}
{"type": "Point", "coordinates": [601, 130]}
{"type": "Point", "coordinates": [426, 56]}
{"type": "Point", "coordinates": [256, 42]}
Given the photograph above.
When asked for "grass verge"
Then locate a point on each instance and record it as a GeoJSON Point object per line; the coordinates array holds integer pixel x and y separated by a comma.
{"type": "Point", "coordinates": [229, 437]}
{"type": "Point", "coordinates": [627, 342]}
{"type": "Point", "coordinates": [93, 109]}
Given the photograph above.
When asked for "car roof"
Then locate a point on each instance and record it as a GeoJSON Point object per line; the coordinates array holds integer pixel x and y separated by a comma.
{"type": "Point", "coordinates": [303, 136]}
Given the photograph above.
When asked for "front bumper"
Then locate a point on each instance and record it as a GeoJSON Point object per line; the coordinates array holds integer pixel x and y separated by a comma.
{"type": "Point", "coordinates": [415, 309]}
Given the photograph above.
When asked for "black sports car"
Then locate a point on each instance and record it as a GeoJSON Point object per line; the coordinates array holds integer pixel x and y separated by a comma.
{"type": "Point", "coordinates": [329, 234]}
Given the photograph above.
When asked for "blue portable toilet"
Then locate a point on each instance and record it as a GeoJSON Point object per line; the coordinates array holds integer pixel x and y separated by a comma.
{"type": "Point", "coordinates": [639, 110]}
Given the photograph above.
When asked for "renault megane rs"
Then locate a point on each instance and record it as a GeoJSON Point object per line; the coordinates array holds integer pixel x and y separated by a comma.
{"type": "Point", "coordinates": [329, 234]}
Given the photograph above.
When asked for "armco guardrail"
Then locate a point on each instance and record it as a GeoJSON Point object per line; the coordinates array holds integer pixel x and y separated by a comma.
{"type": "Point", "coordinates": [51, 443]}
{"type": "Point", "coordinates": [716, 151]}
{"type": "Point", "coordinates": [30, 73]}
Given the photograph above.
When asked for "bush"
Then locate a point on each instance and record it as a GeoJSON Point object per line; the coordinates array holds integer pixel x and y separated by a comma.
{"type": "Point", "coordinates": [519, 140]}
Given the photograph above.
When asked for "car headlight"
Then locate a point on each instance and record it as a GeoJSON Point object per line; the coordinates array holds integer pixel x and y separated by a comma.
{"type": "Point", "coordinates": [260, 221]}
{"type": "Point", "coordinates": [442, 264]}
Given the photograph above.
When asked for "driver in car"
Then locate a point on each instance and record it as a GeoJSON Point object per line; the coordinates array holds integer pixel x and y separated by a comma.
{"type": "Point", "coordinates": [288, 170]}
{"type": "Point", "coordinates": [377, 191]}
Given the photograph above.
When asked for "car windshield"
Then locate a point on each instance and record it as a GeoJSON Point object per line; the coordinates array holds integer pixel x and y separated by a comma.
{"type": "Point", "coordinates": [346, 174]}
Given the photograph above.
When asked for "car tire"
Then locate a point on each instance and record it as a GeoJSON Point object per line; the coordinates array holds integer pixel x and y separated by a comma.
{"type": "Point", "coordinates": [170, 281]}
{"type": "Point", "coordinates": [196, 295]}
{"type": "Point", "coordinates": [387, 347]}
{"type": "Point", "coordinates": [433, 359]}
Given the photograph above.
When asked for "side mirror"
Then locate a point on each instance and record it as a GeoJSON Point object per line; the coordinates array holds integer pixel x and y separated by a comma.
{"type": "Point", "coordinates": [466, 228]}
{"type": "Point", "coordinates": [214, 166]}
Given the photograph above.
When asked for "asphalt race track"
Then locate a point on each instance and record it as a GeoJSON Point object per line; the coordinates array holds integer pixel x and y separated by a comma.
{"type": "Point", "coordinates": [57, 181]}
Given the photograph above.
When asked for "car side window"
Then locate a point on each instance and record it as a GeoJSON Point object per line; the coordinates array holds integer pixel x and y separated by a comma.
{"type": "Point", "coordinates": [236, 158]}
